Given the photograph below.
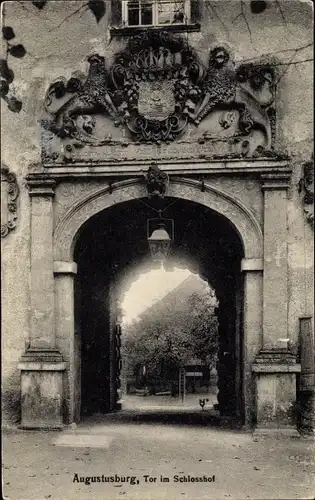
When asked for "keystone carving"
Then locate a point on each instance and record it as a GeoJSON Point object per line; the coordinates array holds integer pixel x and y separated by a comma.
{"type": "Point", "coordinates": [9, 195]}
{"type": "Point", "coordinates": [306, 187]}
{"type": "Point", "coordinates": [157, 181]}
{"type": "Point", "coordinates": [155, 87]}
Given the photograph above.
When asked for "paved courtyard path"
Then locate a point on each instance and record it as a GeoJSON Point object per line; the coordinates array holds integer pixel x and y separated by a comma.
{"type": "Point", "coordinates": [190, 402]}
{"type": "Point", "coordinates": [40, 465]}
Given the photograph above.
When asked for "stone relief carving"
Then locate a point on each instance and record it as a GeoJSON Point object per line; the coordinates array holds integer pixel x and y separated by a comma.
{"type": "Point", "coordinates": [9, 195]}
{"type": "Point", "coordinates": [156, 181]}
{"type": "Point", "coordinates": [306, 187]}
{"type": "Point", "coordinates": [67, 193]}
{"type": "Point", "coordinates": [155, 88]}
{"type": "Point", "coordinates": [89, 97]}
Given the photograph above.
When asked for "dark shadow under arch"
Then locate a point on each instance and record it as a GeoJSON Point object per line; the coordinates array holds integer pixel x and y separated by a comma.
{"type": "Point", "coordinates": [110, 245]}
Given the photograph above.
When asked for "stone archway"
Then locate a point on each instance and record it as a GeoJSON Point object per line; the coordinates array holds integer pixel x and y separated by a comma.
{"type": "Point", "coordinates": [230, 207]}
{"type": "Point", "coordinates": [244, 224]}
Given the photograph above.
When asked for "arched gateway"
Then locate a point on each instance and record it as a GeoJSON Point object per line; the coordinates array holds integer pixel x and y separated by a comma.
{"type": "Point", "coordinates": [243, 220]}
{"type": "Point", "coordinates": [215, 144]}
{"type": "Point", "coordinates": [244, 233]}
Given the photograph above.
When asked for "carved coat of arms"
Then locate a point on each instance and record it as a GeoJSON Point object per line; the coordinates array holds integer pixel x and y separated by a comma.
{"type": "Point", "coordinates": [156, 100]}
{"type": "Point", "coordinates": [156, 85]}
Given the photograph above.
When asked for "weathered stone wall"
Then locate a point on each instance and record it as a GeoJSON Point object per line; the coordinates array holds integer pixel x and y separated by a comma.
{"type": "Point", "coordinates": [58, 40]}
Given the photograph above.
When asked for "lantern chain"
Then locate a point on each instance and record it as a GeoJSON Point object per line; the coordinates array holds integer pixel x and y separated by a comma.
{"type": "Point", "coordinates": [160, 211]}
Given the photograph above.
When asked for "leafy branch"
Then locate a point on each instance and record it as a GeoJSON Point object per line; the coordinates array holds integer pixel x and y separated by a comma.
{"type": "Point", "coordinates": [98, 9]}
{"type": "Point", "coordinates": [282, 51]}
{"type": "Point", "coordinates": [243, 15]}
{"type": "Point", "coordinates": [211, 9]}
{"type": "Point", "coordinates": [288, 63]}
{"type": "Point", "coordinates": [40, 4]}
{"type": "Point", "coordinates": [71, 14]}
{"type": "Point", "coordinates": [6, 73]}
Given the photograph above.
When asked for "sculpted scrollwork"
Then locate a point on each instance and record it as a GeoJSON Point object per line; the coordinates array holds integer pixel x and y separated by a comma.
{"type": "Point", "coordinates": [306, 187]}
{"type": "Point", "coordinates": [9, 195]}
{"type": "Point", "coordinates": [155, 87]}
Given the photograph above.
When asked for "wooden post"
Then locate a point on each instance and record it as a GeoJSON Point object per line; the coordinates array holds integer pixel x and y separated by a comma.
{"type": "Point", "coordinates": [182, 383]}
{"type": "Point", "coordinates": [307, 377]}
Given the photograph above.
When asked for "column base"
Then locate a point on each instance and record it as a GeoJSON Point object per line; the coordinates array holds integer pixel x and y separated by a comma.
{"type": "Point", "coordinates": [275, 381]}
{"type": "Point", "coordinates": [43, 427]}
{"type": "Point", "coordinates": [42, 398]}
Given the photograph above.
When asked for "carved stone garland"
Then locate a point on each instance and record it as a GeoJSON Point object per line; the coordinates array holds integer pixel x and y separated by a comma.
{"type": "Point", "coordinates": [9, 195]}
{"type": "Point", "coordinates": [155, 86]}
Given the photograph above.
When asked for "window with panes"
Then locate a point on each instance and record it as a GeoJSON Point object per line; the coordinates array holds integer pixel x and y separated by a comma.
{"type": "Point", "coordinates": [155, 12]}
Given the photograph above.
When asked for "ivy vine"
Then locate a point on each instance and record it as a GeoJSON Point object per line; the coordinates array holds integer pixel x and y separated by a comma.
{"type": "Point", "coordinates": [258, 6]}
{"type": "Point", "coordinates": [6, 74]}
{"type": "Point", "coordinates": [98, 9]}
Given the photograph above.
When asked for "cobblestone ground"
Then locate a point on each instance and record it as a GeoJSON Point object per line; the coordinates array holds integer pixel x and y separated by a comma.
{"type": "Point", "coordinates": [40, 465]}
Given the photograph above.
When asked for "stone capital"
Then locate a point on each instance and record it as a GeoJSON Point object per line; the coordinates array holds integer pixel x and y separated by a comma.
{"type": "Point", "coordinates": [65, 267]}
{"type": "Point", "coordinates": [275, 180]}
{"type": "Point", "coordinates": [276, 368]}
{"type": "Point", "coordinates": [275, 357]}
{"type": "Point", "coordinates": [248, 265]}
{"type": "Point", "coordinates": [41, 356]}
{"type": "Point", "coordinates": [41, 186]}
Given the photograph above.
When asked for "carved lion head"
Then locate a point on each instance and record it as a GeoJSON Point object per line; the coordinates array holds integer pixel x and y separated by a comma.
{"type": "Point", "coordinates": [87, 123]}
{"type": "Point", "coordinates": [96, 59]}
{"type": "Point", "coordinates": [218, 57]}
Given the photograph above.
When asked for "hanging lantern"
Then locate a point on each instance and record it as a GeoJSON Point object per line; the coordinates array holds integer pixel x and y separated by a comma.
{"type": "Point", "coordinates": [160, 240]}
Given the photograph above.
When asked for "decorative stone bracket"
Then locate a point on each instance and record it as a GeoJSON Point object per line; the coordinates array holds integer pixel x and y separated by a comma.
{"type": "Point", "coordinates": [9, 195]}
{"type": "Point", "coordinates": [156, 181]}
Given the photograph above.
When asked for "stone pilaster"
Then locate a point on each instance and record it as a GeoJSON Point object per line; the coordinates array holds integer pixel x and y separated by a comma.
{"type": "Point", "coordinates": [42, 279]}
{"type": "Point", "coordinates": [42, 365]}
{"type": "Point", "coordinates": [275, 366]}
{"type": "Point", "coordinates": [64, 273]}
{"type": "Point", "coordinates": [275, 287]}
{"type": "Point", "coordinates": [252, 270]}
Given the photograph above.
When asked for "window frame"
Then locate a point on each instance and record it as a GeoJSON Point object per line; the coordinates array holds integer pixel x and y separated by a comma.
{"type": "Point", "coordinates": [155, 24]}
